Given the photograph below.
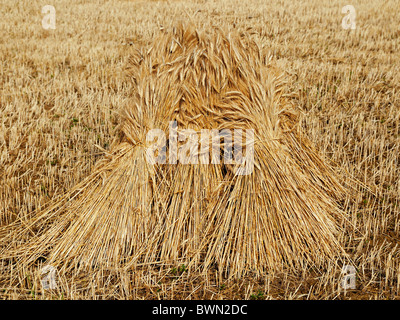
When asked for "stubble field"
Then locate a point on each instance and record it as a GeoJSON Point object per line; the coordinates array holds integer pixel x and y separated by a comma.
{"type": "Point", "coordinates": [61, 92]}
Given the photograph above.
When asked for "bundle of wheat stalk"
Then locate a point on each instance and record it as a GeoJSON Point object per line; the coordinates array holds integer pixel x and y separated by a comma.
{"type": "Point", "coordinates": [132, 212]}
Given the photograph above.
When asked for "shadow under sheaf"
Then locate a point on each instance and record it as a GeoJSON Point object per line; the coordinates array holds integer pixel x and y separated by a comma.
{"type": "Point", "coordinates": [129, 212]}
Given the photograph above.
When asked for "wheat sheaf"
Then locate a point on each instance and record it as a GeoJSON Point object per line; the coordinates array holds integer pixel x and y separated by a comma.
{"type": "Point", "coordinates": [130, 213]}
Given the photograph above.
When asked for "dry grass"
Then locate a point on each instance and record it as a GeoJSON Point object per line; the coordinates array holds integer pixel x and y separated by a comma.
{"type": "Point", "coordinates": [62, 93]}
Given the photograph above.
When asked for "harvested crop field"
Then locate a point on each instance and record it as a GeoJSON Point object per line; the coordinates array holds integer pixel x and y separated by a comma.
{"type": "Point", "coordinates": [79, 196]}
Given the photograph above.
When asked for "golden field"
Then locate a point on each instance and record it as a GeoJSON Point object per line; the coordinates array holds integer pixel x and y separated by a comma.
{"type": "Point", "coordinates": [62, 91]}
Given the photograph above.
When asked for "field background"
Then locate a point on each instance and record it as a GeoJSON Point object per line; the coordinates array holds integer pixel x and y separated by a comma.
{"type": "Point", "coordinates": [61, 90]}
